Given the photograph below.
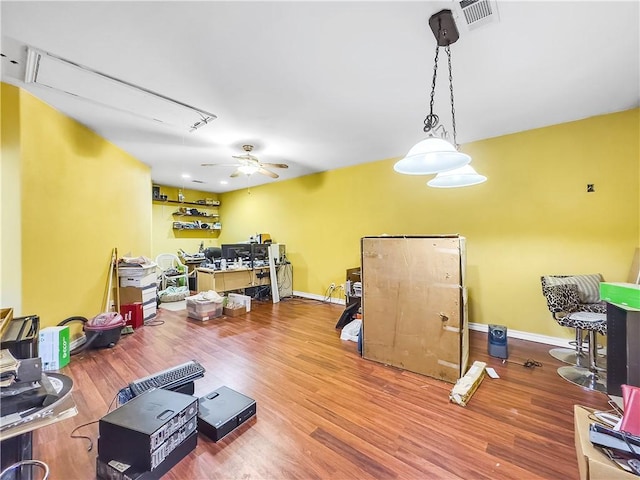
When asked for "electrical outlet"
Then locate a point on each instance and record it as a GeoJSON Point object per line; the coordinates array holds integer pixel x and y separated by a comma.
{"type": "Point", "coordinates": [332, 286]}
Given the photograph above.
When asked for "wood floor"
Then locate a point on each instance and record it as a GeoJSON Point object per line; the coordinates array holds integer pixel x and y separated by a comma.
{"type": "Point", "coordinates": [326, 413]}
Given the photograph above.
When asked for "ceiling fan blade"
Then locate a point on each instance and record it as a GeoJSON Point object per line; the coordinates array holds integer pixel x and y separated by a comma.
{"type": "Point", "coordinates": [275, 165]}
{"type": "Point", "coordinates": [247, 157]}
{"type": "Point", "coordinates": [237, 173]}
{"type": "Point", "coordinates": [268, 173]}
{"type": "Point", "coordinates": [218, 164]}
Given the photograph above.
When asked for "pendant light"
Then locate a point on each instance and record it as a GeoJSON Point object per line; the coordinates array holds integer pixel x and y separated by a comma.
{"type": "Point", "coordinates": [436, 154]}
{"type": "Point", "coordinates": [459, 177]}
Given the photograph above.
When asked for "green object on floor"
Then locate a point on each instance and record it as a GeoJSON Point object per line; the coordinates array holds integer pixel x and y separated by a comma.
{"type": "Point", "coordinates": [126, 330]}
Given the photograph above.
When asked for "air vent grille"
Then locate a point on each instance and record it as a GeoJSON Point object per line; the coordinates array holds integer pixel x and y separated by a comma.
{"type": "Point", "coordinates": [478, 12]}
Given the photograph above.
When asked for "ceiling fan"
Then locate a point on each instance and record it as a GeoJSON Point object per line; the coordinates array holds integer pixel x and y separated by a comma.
{"type": "Point", "coordinates": [248, 164]}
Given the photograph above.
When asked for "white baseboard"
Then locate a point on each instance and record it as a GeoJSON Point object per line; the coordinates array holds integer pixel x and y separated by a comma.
{"type": "Point", "coordinates": [313, 296]}
{"type": "Point", "coordinates": [532, 337]}
{"type": "Point", "coordinates": [480, 327]}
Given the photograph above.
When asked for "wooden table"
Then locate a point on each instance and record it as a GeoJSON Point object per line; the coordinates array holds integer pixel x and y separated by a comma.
{"type": "Point", "coordinates": [231, 279]}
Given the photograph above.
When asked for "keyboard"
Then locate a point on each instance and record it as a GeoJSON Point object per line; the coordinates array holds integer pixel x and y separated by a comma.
{"type": "Point", "coordinates": [168, 379]}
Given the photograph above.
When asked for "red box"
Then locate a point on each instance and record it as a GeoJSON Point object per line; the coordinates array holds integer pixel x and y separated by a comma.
{"type": "Point", "coordinates": [132, 314]}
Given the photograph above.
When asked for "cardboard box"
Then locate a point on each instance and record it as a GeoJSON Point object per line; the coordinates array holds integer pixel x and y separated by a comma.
{"type": "Point", "coordinates": [137, 271]}
{"type": "Point", "coordinates": [413, 304]}
{"type": "Point", "coordinates": [592, 463]}
{"type": "Point", "coordinates": [54, 347]}
{"type": "Point", "coordinates": [144, 294]}
{"type": "Point", "coordinates": [234, 311]}
{"type": "Point", "coordinates": [6, 315]}
{"type": "Point", "coordinates": [241, 299]}
{"type": "Point", "coordinates": [627, 294]}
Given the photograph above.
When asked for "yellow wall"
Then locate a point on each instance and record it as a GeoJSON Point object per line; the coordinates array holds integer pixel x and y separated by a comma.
{"type": "Point", "coordinates": [532, 217]}
{"type": "Point", "coordinates": [168, 240]}
{"type": "Point", "coordinates": [10, 233]}
{"type": "Point", "coordinates": [81, 197]}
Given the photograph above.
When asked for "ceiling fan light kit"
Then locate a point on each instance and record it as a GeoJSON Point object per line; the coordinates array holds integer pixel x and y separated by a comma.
{"type": "Point", "coordinates": [249, 164]}
{"type": "Point", "coordinates": [436, 154]}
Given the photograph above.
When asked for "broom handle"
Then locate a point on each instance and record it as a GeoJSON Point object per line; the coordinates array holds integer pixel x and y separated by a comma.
{"type": "Point", "coordinates": [117, 281]}
{"type": "Point", "coordinates": [108, 302]}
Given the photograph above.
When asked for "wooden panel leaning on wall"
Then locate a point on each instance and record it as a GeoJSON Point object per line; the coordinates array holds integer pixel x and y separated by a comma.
{"type": "Point", "coordinates": [325, 412]}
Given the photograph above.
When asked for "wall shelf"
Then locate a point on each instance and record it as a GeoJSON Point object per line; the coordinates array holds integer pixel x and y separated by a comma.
{"type": "Point", "coordinates": [180, 214]}
{"type": "Point", "coordinates": [194, 204]}
{"type": "Point", "coordinates": [189, 217]}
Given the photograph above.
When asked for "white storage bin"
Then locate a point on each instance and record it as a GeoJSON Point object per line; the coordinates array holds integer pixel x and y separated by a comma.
{"type": "Point", "coordinates": [241, 299]}
{"type": "Point", "coordinates": [149, 310]}
{"type": "Point", "coordinates": [133, 281]}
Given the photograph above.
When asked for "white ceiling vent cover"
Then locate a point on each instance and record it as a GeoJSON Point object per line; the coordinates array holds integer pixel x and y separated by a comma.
{"type": "Point", "coordinates": [71, 78]}
{"type": "Point", "coordinates": [476, 13]}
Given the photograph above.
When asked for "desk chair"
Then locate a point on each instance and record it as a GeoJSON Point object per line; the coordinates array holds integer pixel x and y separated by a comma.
{"type": "Point", "coordinates": [172, 271]}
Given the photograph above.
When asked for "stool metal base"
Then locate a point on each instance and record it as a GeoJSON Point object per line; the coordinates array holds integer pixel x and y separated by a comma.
{"type": "Point", "coordinates": [571, 357]}
{"type": "Point", "coordinates": [583, 377]}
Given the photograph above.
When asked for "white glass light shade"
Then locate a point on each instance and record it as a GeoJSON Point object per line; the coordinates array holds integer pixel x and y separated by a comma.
{"type": "Point", "coordinates": [432, 155]}
{"type": "Point", "coordinates": [460, 177]}
{"type": "Point", "coordinates": [248, 169]}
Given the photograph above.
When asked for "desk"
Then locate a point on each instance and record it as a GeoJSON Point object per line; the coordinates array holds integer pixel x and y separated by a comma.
{"type": "Point", "coordinates": [227, 280]}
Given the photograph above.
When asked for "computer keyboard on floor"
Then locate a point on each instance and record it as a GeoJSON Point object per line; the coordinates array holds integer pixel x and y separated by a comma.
{"type": "Point", "coordinates": [170, 378]}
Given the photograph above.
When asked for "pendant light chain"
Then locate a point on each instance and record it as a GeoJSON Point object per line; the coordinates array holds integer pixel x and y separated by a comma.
{"type": "Point", "coordinates": [453, 110]}
{"type": "Point", "coordinates": [437, 153]}
{"type": "Point", "coordinates": [431, 120]}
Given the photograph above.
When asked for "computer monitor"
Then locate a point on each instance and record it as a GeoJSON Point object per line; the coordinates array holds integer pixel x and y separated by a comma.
{"type": "Point", "coordinates": [260, 251]}
{"type": "Point", "coordinates": [232, 251]}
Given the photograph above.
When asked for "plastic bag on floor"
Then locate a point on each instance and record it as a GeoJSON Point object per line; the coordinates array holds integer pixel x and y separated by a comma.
{"type": "Point", "coordinates": [174, 294]}
{"type": "Point", "coordinates": [351, 330]}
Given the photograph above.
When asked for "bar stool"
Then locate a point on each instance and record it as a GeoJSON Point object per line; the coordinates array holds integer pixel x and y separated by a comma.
{"type": "Point", "coordinates": [592, 377]}
{"type": "Point", "coordinates": [562, 300]}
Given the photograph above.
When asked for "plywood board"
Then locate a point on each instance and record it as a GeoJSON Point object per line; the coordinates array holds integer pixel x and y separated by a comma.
{"type": "Point", "coordinates": [412, 304]}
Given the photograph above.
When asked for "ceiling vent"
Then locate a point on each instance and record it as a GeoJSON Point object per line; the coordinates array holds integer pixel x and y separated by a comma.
{"type": "Point", "coordinates": [62, 75]}
{"type": "Point", "coordinates": [476, 13]}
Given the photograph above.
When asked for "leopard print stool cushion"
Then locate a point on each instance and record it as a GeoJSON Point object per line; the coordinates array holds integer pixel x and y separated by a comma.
{"type": "Point", "coordinates": [589, 321]}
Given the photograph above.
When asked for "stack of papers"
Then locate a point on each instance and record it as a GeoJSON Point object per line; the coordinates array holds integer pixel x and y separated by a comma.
{"type": "Point", "coordinates": [8, 368]}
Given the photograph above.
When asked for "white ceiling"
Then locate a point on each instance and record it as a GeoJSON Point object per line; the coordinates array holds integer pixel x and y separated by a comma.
{"type": "Point", "coordinates": [320, 85]}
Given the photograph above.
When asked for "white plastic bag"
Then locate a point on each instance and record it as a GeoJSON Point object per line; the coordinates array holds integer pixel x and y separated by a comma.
{"type": "Point", "coordinates": [351, 330]}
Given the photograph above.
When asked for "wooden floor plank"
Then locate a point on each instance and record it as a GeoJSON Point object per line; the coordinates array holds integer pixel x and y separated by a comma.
{"type": "Point", "coordinates": [326, 413]}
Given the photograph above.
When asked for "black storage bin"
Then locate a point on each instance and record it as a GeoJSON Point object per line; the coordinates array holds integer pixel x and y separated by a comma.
{"type": "Point", "coordinates": [21, 337]}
